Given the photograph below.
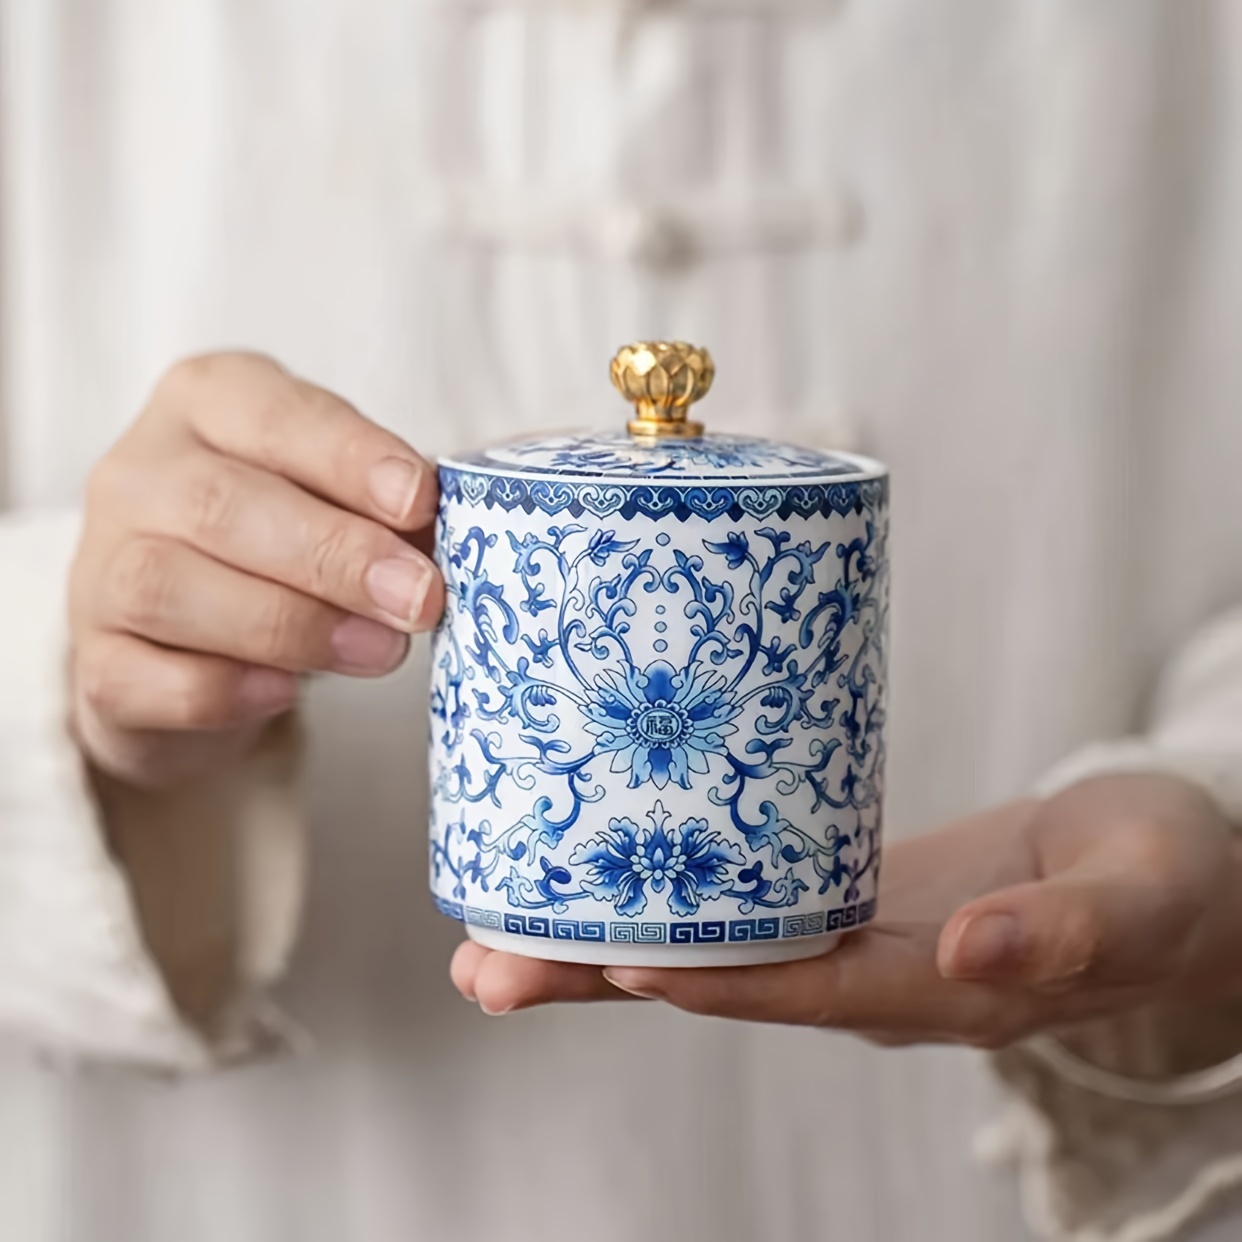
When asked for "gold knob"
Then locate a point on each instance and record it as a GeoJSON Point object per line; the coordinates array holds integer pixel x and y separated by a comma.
{"type": "Point", "coordinates": [663, 379]}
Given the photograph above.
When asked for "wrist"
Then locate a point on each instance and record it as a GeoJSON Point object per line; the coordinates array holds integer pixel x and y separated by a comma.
{"type": "Point", "coordinates": [1225, 956]}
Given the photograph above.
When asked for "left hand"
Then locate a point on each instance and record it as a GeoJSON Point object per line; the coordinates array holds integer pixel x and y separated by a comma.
{"type": "Point", "coordinates": [1119, 892]}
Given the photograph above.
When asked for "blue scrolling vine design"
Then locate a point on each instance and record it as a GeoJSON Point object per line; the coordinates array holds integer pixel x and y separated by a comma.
{"type": "Point", "coordinates": [550, 691]}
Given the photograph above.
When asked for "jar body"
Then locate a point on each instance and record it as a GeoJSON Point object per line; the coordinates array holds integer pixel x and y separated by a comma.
{"type": "Point", "coordinates": [658, 715]}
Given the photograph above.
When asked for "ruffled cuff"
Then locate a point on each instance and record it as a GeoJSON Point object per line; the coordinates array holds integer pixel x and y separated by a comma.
{"type": "Point", "coordinates": [1096, 1166]}
{"type": "Point", "coordinates": [137, 928]}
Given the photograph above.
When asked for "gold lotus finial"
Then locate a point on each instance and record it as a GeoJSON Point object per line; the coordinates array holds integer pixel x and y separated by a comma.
{"type": "Point", "coordinates": [663, 379]}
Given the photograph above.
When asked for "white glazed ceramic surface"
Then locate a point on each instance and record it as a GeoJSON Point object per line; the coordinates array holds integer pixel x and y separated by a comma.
{"type": "Point", "coordinates": [658, 699]}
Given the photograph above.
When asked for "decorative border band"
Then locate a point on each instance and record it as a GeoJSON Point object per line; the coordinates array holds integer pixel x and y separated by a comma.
{"type": "Point", "coordinates": [717, 931]}
{"type": "Point", "coordinates": [506, 492]}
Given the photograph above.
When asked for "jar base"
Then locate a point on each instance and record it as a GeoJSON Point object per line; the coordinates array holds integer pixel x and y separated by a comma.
{"type": "Point", "coordinates": [756, 953]}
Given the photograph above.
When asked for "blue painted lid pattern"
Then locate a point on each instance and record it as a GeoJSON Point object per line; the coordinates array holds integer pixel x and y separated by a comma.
{"type": "Point", "coordinates": [617, 457]}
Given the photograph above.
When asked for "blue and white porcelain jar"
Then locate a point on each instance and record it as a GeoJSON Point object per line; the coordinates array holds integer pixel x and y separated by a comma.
{"type": "Point", "coordinates": [658, 691]}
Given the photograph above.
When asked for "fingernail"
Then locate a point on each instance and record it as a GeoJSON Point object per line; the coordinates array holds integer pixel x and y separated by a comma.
{"type": "Point", "coordinates": [267, 691]}
{"type": "Point", "coordinates": [985, 945]}
{"type": "Point", "coordinates": [394, 485]}
{"type": "Point", "coordinates": [495, 1013]}
{"type": "Point", "coordinates": [399, 587]}
{"type": "Point", "coordinates": [635, 982]}
{"type": "Point", "coordinates": [363, 646]}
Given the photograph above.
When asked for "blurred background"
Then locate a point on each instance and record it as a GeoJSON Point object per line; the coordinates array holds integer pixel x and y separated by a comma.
{"type": "Point", "coordinates": [994, 244]}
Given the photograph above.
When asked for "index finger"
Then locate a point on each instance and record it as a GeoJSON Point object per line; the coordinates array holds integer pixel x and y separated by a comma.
{"type": "Point", "coordinates": [249, 407]}
{"type": "Point", "coordinates": [873, 981]}
{"type": "Point", "coordinates": [503, 982]}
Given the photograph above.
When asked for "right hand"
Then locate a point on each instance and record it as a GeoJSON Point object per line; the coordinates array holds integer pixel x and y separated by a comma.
{"type": "Point", "coordinates": [248, 528]}
{"type": "Point", "coordinates": [1121, 892]}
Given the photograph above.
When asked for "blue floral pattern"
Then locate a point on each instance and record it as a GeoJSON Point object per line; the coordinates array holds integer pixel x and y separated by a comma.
{"type": "Point", "coordinates": [647, 713]}
{"type": "Point", "coordinates": [661, 724]}
{"type": "Point", "coordinates": [695, 863]}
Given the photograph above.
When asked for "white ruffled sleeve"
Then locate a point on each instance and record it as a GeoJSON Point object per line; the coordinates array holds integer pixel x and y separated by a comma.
{"type": "Point", "coordinates": [135, 928]}
{"type": "Point", "coordinates": [1196, 726]}
{"type": "Point", "coordinates": [1130, 1129]}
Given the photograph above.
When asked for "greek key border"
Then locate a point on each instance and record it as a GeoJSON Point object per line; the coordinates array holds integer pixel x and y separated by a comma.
{"type": "Point", "coordinates": [708, 931]}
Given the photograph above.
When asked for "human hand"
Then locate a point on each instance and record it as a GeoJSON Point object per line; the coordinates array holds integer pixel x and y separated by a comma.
{"type": "Point", "coordinates": [1120, 891]}
{"type": "Point", "coordinates": [248, 528]}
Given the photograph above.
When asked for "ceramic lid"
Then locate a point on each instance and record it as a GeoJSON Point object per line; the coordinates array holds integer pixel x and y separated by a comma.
{"type": "Point", "coordinates": [617, 456]}
{"type": "Point", "coordinates": [664, 379]}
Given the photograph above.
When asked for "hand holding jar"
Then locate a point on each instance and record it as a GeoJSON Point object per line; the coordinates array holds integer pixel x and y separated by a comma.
{"type": "Point", "coordinates": [249, 528]}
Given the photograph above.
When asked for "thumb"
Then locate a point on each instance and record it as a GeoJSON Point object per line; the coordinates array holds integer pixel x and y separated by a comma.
{"type": "Point", "coordinates": [1109, 926]}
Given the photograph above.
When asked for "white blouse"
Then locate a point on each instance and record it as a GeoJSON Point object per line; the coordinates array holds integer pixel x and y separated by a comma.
{"type": "Point", "coordinates": [993, 245]}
